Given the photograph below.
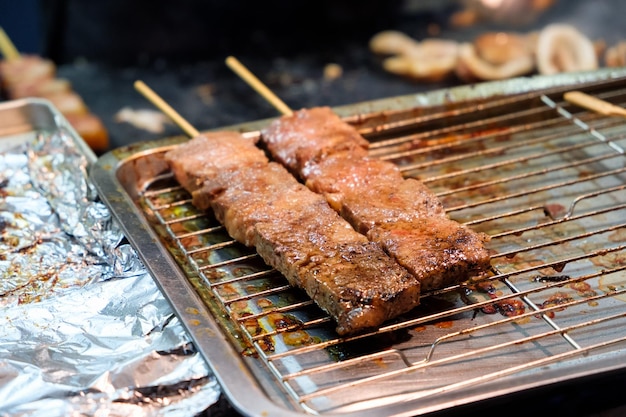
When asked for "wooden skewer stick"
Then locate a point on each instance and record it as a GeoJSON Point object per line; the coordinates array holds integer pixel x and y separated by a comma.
{"type": "Point", "coordinates": [234, 64]}
{"type": "Point", "coordinates": [6, 47]}
{"type": "Point", "coordinates": [166, 108]}
{"type": "Point", "coordinates": [594, 104]}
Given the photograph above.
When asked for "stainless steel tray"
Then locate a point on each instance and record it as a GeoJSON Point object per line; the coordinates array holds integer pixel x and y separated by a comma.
{"type": "Point", "coordinates": [545, 179]}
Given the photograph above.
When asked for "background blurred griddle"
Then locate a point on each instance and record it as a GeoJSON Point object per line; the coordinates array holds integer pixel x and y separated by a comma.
{"type": "Point", "coordinates": [141, 31]}
{"type": "Point", "coordinates": [179, 49]}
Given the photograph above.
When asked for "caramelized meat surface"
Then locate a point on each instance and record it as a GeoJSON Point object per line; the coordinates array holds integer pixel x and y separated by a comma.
{"type": "Point", "coordinates": [191, 165]}
{"type": "Point", "coordinates": [436, 250]}
{"type": "Point", "coordinates": [295, 231]}
{"type": "Point", "coordinates": [402, 215]}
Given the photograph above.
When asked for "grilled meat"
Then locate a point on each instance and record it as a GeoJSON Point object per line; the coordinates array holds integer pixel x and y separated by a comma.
{"type": "Point", "coordinates": [294, 230]}
{"type": "Point", "coordinates": [435, 250]}
{"type": "Point", "coordinates": [317, 127]}
{"type": "Point", "coordinates": [192, 164]}
{"type": "Point", "coordinates": [370, 191]}
{"type": "Point", "coordinates": [403, 215]}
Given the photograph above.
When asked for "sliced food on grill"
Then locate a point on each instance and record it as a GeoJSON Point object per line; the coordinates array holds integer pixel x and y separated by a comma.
{"type": "Point", "coordinates": [294, 230]}
{"type": "Point", "coordinates": [399, 213]}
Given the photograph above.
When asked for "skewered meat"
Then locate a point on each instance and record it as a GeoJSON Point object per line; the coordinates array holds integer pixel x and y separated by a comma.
{"type": "Point", "coordinates": [35, 76]}
{"type": "Point", "coordinates": [27, 69]}
{"type": "Point", "coordinates": [38, 88]}
{"type": "Point", "coordinates": [193, 164]}
{"type": "Point", "coordinates": [317, 126]}
{"type": "Point", "coordinates": [294, 230]}
{"type": "Point", "coordinates": [402, 215]}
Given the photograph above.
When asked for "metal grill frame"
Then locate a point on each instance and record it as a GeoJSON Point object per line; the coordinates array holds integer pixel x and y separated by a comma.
{"type": "Point", "coordinates": [285, 390]}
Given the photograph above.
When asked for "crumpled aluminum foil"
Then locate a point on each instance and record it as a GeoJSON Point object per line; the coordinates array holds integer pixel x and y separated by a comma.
{"type": "Point", "coordinates": [84, 330]}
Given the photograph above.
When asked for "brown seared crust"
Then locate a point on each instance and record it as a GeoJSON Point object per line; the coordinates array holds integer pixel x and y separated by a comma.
{"type": "Point", "coordinates": [404, 201]}
{"type": "Point", "coordinates": [192, 164]}
{"type": "Point", "coordinates": [402, 215]}
{"type": "Point", "coordinates": [355, 283]}
{"type": "Point", "coordinates": [320, 125]}
{"type": "Point", "coordinates": [294, 230]}
{"type": "Point", "coordinates": [369, 191]}
{"type": "Point", "coordinates": [436, 250]}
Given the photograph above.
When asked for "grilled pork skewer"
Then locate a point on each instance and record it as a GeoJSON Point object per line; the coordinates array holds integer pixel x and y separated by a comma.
{"type": "Point", "coordinates": [402, 215]}
{"type": "Point", "coordinates": [294, 230]}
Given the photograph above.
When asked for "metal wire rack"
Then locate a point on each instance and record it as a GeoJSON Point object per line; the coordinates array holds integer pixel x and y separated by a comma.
{"type": "Point", "coordinates": [545, 179]}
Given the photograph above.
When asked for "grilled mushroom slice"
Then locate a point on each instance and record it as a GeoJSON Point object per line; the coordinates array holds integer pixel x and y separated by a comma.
{"type": "Point", "coordinates": [429, 60]}
{"type": "Point", "coordinates": [391, 42]}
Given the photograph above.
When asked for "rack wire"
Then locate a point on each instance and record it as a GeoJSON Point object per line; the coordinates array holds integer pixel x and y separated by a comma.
{"type": "Point", "coordinates": [544, 179]}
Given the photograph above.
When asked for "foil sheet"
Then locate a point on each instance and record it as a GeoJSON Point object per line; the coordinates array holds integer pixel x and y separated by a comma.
{"type": "Point", "coordinates": [84, 329]}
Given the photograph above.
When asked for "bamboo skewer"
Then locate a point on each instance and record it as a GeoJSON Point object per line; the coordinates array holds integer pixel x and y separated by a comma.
{"type": "Point", "coordinates": [7, 47]}
{"type": "Point", "coordinates": [234, 64]}
{"type": "Point", "coordinates": [149, 94]}
{"type": "Point", "coordinates": [594, 104]}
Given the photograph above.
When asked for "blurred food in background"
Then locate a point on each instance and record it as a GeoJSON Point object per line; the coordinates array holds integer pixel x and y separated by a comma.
{"type": "Point", "coordinates": [508, 12]}
{"type": "Point", "coordinates": [496, 55]}
{"type": "Point", "coordinates": [29, 75]}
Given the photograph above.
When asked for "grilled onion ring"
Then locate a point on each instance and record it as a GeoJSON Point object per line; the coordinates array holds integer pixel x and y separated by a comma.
{"type": "Point", "coordinates": [562, 48]}
{"type": "Point", "coordinates": [472, 67]}
{"type": "Point", "coordinates": [429, 60]}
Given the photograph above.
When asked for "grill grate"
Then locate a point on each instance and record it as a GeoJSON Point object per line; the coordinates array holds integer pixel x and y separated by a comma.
{"type": "Point", "coordinates": [544, 179]}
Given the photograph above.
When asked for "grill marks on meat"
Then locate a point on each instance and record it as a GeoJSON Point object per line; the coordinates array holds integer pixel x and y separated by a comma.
{"type": "Point", "coordinates": [294, 230]}
{"type": "Point", "coordinates": [403, 215]}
